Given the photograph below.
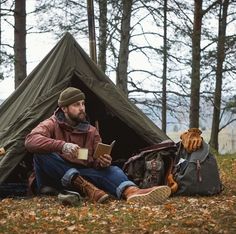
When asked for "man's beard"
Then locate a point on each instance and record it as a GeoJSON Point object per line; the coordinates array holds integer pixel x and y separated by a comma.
{"type": "Point", "coordinates": [77, 118]}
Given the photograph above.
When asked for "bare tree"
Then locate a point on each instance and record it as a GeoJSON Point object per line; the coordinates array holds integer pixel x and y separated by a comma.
{"type": "Point", "coordinates": [91, 29]}
{"type": "Point", "coordinates": [122, 67]}
{"type": "Point", "coordinates": [195, 81]}
{"type": "Point", "coordinates": [196, 59]}
{"type": "Point", "coordinates": [20, 41]}
{"type": "Point", "coordinates": [219, 73]}
{"type": "Point", "coordinates": [1, 74]}
{"type": "Point", "coordinates": [102, 42]}
{"type": "Point", "coordinates": [5, 56]}
{"type": "Point", "coordinates": [62, 15]}
{"type": "Point", "coordinates": [164, 76]}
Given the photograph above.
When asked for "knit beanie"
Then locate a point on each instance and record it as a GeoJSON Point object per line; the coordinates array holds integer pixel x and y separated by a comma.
{"type": "Point", "coordinates": [70, 96]}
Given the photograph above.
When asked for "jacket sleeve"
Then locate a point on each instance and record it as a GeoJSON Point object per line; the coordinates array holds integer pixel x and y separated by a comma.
{"type": "Point", "coordinates": [40, 140]}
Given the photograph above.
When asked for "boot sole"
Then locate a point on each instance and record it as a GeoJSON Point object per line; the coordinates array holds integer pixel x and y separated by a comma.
{"type": "Point", "coordinates": [103, 199]}
{"type": "Point", "coordinates": [154, 197]}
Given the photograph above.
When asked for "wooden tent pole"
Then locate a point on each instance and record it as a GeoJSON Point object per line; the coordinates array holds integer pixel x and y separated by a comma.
{"type": "Point", "coordinates": [91, 27]}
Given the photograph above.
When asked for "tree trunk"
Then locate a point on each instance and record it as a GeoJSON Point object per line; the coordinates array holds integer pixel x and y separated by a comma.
{"type": "Point", "coordinates": [102, 44]}
{"type": "Point", "coordinates": [0, 28]}
{"type": "Point", "coordinates": [164, 105]}
{"type": "Point", "coordinates": [195, 79]}
{"type": "Point", "coordinates": [219, 70]}
{"type": "Point", "coordinates": [91, 27]}
{"type": "Point", "coordinates": [122, 67]}
{"type": "Point", "coordinates": [20, 41]}
{"type": "Point", "coordinates": [1, 74]}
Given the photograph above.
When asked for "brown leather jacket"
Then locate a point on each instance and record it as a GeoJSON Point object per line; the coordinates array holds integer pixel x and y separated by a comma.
{"type": "Point", "coordinates": [51, 134]}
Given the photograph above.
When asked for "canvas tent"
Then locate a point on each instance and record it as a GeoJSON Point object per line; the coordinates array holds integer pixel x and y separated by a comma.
{"type": "Point", "coordinates": [36, 99]}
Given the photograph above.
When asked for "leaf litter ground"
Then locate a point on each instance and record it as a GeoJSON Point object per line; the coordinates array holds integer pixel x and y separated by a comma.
{"type": "Point", "coordinates": [181, 215]}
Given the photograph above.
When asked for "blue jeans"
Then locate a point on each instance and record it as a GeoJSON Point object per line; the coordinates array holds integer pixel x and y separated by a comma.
{"type": "Point", "coordinates": [52, 170]}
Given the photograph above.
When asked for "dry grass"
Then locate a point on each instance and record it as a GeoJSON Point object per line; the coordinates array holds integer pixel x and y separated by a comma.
{"type": "Point", "coordinates": [178, 215]}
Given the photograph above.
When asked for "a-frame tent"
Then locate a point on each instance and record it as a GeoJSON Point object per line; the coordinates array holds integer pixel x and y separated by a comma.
{"type": "Point", "coordinates": [36, 99]}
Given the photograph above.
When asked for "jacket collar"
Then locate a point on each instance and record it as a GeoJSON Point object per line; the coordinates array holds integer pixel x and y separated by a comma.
{"type": "Point", "coordinates": [82, 126]}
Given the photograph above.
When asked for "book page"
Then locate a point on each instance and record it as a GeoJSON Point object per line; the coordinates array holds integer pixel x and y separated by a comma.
{"type": "Point", "coordinates": [102, 149]}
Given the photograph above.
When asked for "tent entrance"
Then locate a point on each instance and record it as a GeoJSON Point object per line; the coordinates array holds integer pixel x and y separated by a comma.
{"type": "Point", "coordinates": [110, 126]}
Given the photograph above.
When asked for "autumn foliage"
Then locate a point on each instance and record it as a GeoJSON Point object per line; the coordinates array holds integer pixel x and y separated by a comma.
{"type": "Point", "coordinates": [215, 214]}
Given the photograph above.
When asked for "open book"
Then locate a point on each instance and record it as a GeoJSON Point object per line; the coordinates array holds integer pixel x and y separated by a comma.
{"type": "Point", "coordinates": [102, 149]}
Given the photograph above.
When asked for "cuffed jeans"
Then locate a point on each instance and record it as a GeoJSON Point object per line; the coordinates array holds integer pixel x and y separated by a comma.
{"type": "Point", "coordinates": [52, 170]}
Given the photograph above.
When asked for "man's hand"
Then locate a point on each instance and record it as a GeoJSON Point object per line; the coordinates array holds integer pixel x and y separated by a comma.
{"type": "Point", "coordinates": [105, 160]}
{"type": "Point", "coordinates": [191, 139]}
{"type": "Point", "coordinates": [70, 149]}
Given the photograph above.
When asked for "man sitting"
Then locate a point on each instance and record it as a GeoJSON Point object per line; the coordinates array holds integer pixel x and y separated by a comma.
{"type": "Point", "coordinates": [55, 143]}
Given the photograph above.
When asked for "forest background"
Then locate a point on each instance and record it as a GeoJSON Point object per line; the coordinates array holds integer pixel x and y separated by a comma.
{"type": "Point", "coordinates": [174, 59]}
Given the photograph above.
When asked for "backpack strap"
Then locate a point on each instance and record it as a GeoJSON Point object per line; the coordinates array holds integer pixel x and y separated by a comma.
{"type": "Point", "coordinates": [172, 183]}
{"type": "Point", "coordinates": [170, 178]}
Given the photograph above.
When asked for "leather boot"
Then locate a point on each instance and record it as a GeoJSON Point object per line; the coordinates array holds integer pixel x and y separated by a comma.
{"type": "Point", "coordinates": [94, 194]}
{"type": "Point", "coordinates": [154, 195]}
